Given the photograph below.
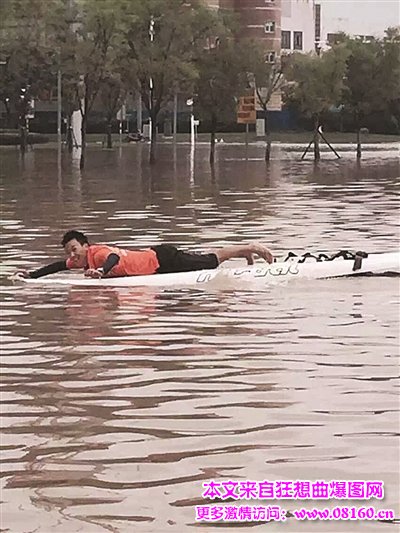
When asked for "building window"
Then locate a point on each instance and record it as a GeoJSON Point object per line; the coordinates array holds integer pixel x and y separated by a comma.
{"type": "Point", "coordinates": [269, 27]}
{"type": "Point", "coordinates": [298, 40]}
{"type": "Point", "coordinates": [286, 40]}
{"type": "Point", "coordinates": [270, 57]}
{"type": "Point", "coordinates": [334, 38]}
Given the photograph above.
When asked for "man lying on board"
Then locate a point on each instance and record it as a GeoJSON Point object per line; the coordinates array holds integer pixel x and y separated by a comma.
{"type": "Point", "coordinates": [100, 260]}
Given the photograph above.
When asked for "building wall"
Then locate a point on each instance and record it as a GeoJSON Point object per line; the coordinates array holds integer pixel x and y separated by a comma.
{"type": "Point", "coordinates": [253, 16]}
{"type": "Point", "coordinates": [220, 4]}
{"type": "Point", "coordinates": [259, 20]}
{"type": "Point", "coordinates": [299, 16]}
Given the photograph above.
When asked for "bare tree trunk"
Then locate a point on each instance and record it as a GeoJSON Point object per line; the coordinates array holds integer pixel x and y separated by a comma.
{"type": "Point", "coordinates": [212, 147]}
{"type": "Point", "coordinates": [83, 132]}
{"type": "Point", "coordinates": [23, 133]}
{"type": "Point", "coordinates": [23, 138]}
{"type": "Point", "coordinates": [317, 155]}
{"type": "Point", "coordinates": [358, 143]}
{"type": "Point", "coordinates": [267, 136]}
{"type": "Point", "coordinates": [267, 147]}
{"type": "Point", "coordinates": [213, 176]}
{"type": "Point", "coordinates": [153, 140]}
{"type": "Point", "coordinates": [212, 138]}
{"type": "Point", "coordinates": [109, 135]}
{"type": "Point", "coordinates": [8, 113]}
{"type": "Point", "coordinates": [69, 140]}
{"type": "Point", "coordinates": [358, 122]}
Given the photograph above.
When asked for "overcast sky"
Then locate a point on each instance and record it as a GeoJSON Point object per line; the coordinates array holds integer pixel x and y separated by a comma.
{"type": "Point", "coordinates": [365, 17]}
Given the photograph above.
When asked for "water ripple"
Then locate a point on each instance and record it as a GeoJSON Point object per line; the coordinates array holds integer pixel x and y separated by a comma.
{"type": "Point", "coordinates": [118, 404]}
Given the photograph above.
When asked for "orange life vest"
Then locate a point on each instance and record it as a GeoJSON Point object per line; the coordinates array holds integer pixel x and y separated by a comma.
{"type": "Point", "coordinates": [131, 262]}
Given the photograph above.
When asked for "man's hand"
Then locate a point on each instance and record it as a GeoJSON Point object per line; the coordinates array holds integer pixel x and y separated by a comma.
{"type": "Point", "coordinates": [247, 251]}
{"type": "Point", "coordinates": [21, 274]}
{"type": "Point", "coordinates": [255, 248]}
{"type": "Point", "coordinates": [94, 273]}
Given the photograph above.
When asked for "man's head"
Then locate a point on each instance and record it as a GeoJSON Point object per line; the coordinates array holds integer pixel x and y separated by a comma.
{"type": "Point", "coordinates": [75, 245]}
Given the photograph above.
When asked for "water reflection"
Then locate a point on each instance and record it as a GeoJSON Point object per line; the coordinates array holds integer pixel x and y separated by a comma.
{"type": "Point", "coordinates": [119, 403]}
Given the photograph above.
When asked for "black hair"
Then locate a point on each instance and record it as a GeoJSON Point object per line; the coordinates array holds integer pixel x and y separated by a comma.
{"type": "Point", "coordinates": [73, 234]}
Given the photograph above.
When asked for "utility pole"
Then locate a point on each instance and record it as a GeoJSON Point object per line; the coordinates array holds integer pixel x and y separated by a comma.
{"type": "Point", "coordinates": [151, 84]}
{"type": "Point", "coordinates": [189, 103]}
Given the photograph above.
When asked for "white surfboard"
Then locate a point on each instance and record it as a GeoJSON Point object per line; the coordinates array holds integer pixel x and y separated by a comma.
{"type": "Point", "coordinates": [260, 273]}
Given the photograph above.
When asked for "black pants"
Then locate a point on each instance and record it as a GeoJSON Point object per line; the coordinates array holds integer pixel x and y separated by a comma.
{"type": "Point", "coordinates": [173, 260]}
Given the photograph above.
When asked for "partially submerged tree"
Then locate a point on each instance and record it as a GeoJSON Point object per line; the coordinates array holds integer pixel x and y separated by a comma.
{"type": "Point", "coordinates": [371, 82]}
{"type": "Point", "coordinates": [95, 35]}
{"type": "Point", "coordinates": [222, 79]}
{"type": "Point", "coordinates": [111, 98]}
{"type": "Point", "coordinates": [317, 84]}
{"type": "Point", "coordinates": [268, 79]}
{"type": "Point", "coordinates": [361, 92]}
{"type": "Point", "coordinates": [70, 104]}
{"type": "Point", "coordinates": [390, 73]}
{"type": "Point", "coordinates": [162, 39]}
{"type": "Point", "coordinates": [26, 60]}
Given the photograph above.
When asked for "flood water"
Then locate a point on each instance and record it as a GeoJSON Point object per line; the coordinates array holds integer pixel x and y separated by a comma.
{"type": "Point", "coordinates": [119, 404]}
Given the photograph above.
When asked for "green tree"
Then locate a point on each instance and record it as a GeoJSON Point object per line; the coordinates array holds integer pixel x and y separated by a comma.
{"type": "Point", "coordinates": [70, 101]}
{"type": "Point", "coordinates": [26, 60]}
{"type": "Point", "coordinates": [372, 79]}
{"type": "Point", "coordinates": [111, 97]}
{"type": "Point", "coordinates": [162, 39]}
{"type": "Point", "coordinates": [361, 92]}
{"type": "Point", "coordinates": [317, 84]}
{"type": "Point", "coordinates": [268, 79]}
{"type": "Point", "coordinates": [390, 73]}
{"type": "Point", "coordinates": [222, 79]}
{"type": "Point", "coordinates": [95, 34]}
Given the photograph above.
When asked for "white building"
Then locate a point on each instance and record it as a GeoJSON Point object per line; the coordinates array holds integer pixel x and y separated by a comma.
{"type": "Point", "coordinates": [356, 17]}
{"type": "Point", "coordinates": [298, 26]}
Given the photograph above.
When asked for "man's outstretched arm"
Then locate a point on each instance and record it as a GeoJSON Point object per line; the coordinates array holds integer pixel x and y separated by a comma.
{"type": "Point", "coordinates": [58, 266]}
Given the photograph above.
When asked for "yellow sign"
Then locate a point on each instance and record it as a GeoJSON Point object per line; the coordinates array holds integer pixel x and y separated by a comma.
{"type": "Point", "coordinates": [246, 113]}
